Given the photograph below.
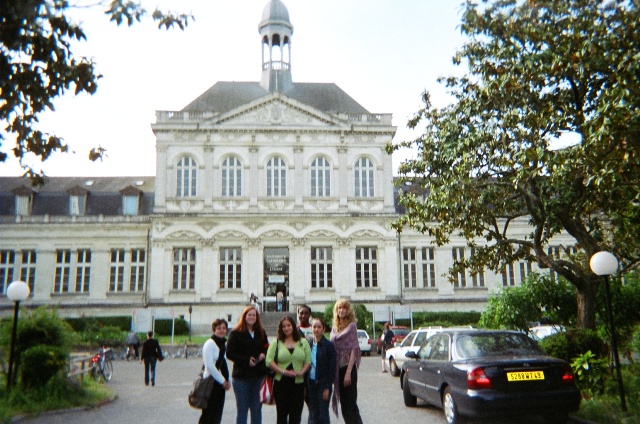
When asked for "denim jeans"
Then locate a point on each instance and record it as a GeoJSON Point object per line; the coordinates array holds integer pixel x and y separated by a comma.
{"type": "Point", "coordinates": [247, 391]}
{"type": "Point", "coordinates": [150, 369]}
{"type": "Point", "coordinates": [318, 407]}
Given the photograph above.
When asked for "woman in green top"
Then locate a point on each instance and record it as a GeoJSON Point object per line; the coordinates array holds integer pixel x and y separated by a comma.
{"type": "Point", "coordinates": [289, 356]}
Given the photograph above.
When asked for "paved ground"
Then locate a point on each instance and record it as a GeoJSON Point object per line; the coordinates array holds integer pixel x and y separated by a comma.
{"type": "Point", "coordinates": [380, 399]}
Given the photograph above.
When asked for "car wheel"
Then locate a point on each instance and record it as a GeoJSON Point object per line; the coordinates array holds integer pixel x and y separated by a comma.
{"type": "Point", "coordinates": [393, 367]}
{"type": "Point", "coordinates": [409, 399]}
{"type": "Point", "coordinates": [450, 408]}
{"type": "Point", "coordinates": [557, 418]}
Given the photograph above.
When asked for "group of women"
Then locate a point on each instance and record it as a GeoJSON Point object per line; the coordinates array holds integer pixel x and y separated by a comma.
{"type": "Point", "coordinates": [305, 370]}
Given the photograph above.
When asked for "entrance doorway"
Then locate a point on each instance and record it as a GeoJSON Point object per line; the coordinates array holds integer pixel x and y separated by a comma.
{"type": "Point", "coordinates": [276, 279]}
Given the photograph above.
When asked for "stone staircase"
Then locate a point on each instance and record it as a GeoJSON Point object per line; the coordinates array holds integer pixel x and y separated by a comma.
{"type": "Point", "coordinates": [270, 322]}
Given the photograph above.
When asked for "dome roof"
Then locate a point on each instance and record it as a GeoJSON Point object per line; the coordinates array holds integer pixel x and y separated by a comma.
{"type": "Point", "coordinates": [275, 12]}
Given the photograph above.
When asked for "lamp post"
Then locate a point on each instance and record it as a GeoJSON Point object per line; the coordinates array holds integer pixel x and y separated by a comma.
{"type": "Point", "coordinates": [605, 264]}
{"type": "Point", "coordinates": [17, 291]}
{"type": "Point", "coordinates": [190, 310]}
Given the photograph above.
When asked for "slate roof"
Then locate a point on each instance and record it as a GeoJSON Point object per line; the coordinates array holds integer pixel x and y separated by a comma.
{"type": "Point", "coordinates": [224, 96]}
{"type": "Point", "coordinates": [104, 195]}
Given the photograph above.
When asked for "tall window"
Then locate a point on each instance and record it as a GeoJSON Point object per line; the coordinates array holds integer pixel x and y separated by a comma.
{"type": "Point", "coordinates": [363, 178]}
{"type": "Point", "coordinates": [76, 204]}
{"type": "Point", "coordinates": [557, 252]}
{"type": "Point", "coordinates": [320, 178]}
{"type": "Point", "coordinates": [477, 278]}
{"type": "Point", "coordinates": [276, 177]}
{"type": "Point", "coordinates": [7, 259]}
{"type": "Point", "coordinates": [23, 205]}
{"type": "Point", "coordinates": [321, 267]}
{"type": "Point", "coordinates": [428, 267]}
{"type": "Point", "coordinates": [231, 177]}
{"type": "Point", "coordinates": [136, 279]}
{"type": "Point", "coordinates": [28, 268]}
{"type": "Point", "coordinates": [116, 274]}
{"type": "Point", "coordinates": [460, 277]}
{"type": "Point", "coordinates": [83, 270]}
{"type": "Point", "coordinates": [409, 267]}
{"type": "Point", "coordinates": [187, 177]}
{"type": "Point", "coordinates": [63, 271]}
{"type": "Point", "coordinates": [130, 204]}
{"type": "Point", "coordinates": [366, 267]}
{"type": "Point", "coordinates": [184, 268]}
{"type": "Point", "coordinates": [230, 267]}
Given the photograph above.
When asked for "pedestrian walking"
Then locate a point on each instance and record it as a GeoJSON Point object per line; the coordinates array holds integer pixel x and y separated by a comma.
{"type": "Point", "coordinates": [386, 342]}
{"type": "Point", "coordinates": [150, 355]}
{"type": "Point", "coordinates": [215, 366]}
{"type": "Point", "coordinates": [247, 348]}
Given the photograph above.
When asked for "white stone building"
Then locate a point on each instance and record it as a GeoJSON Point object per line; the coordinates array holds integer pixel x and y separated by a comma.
{"type": "Point", "coordinates": [261, 187]}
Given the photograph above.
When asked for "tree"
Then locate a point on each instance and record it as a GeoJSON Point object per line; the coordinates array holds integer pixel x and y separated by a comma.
{"type": "Point", "coordinates": [536, 69]}
{"type": "Point", "coordinates": [37, 65]}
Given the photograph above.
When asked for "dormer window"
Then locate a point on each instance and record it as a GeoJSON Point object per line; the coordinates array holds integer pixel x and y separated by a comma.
{"type": "Point", "coordinates": [77, 201]}
{"type": "Point", "coordinates": [23, 200]}
{"type": "Point", "coordinates": [130, 200]}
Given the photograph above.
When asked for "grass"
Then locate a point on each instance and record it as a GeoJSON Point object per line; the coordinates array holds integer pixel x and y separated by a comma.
{"type": "Point", "coordinates": [56, 394]}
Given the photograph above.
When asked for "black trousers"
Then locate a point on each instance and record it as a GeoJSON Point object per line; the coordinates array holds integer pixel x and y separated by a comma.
{"type": "Point", "coordinates": [349, 397]}
{"type": "Point", "coordinates": [212, 414]}
{"type": "Point", "coordinates": [289, 400]}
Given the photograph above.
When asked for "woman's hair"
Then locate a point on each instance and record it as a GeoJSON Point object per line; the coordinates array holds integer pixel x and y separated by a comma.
{"type": "Point", "coordinates": [387, 325]}
{"type": "Point", "coordinates": [218, 322]}
{"type": "Point", "coordinates": [295, 334]}
{"type": "Point", "coordinates": [242, 322]}
{"type": "Point", "coordinates": [321, 321]}
{"type": "Point", "coordinates": [348, 319]}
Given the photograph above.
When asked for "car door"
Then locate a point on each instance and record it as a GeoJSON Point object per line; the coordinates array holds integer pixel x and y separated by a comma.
{"type": "Point", "coordinates": [433, 367]}
{"type": "Point", "coordinates": [417, 376]}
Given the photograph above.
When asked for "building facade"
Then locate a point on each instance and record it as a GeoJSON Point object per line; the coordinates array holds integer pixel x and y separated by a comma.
{"type": "Point", "coordinates": [275, 188]}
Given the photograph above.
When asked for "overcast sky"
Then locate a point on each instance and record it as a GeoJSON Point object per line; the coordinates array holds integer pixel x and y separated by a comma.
{"type": "Point", "coordinates": [383, 53]}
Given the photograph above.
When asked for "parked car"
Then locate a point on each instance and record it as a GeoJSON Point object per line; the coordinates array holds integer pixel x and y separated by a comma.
{"type": "Point", "coordinates": [539, 332]}
{"type": "Point", "coordinates": [399, 333]}
{"type": "Point", "coordinates": [395, 356]}
{"type": "Point", "coordinates": [489, 374]}
{"type": "Point", "coordinates": [365, 342]}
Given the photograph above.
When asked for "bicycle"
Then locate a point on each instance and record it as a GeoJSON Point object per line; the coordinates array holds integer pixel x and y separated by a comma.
{"type": "Point", "coordinates": [102, 365]}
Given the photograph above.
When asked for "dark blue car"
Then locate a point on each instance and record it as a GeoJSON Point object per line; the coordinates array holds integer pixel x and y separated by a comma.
{"type": "Point", "coordinates": [489, 374]}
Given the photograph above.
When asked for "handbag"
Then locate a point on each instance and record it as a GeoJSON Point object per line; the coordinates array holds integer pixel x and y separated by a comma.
{"type": "Point", "coordinates": [201, 392]}
{"type": "Point", "coordinates": [266, 387]}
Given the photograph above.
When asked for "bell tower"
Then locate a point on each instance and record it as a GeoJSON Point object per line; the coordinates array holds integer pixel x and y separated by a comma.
{"type": "Point", "coordinates": [275, 36]}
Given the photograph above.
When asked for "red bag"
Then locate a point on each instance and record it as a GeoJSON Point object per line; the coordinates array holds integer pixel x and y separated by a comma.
{"type": "Point", "coordinates": [266, 391]}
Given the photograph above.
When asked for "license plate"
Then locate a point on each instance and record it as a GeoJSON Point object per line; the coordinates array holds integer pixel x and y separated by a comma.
{"type": "Point", "coordinates": [525, 375]}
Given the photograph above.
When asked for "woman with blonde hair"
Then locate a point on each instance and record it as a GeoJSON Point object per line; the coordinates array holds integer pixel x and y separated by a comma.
{"type": "Point", "coordinates": [344, 336]}
{"type": "Point", "coordinates": [247, 348]}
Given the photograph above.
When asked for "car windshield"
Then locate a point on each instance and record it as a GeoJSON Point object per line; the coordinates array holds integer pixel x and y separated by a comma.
{"type": "Point", "coordinates": [495, 344]}
{"type": "Point", "coordinates": [400, 331]}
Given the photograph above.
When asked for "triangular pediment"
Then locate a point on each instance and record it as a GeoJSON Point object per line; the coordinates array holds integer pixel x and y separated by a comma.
{"type": "Point", "coordinates": [275, 110]}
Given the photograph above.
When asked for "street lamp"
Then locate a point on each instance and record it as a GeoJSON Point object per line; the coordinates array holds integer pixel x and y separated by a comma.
{"type": "Point", "coordinates": [17, 291]}
{"type": "Point", "coordinates": [605, 264]}
{"type": "Point", "coordinates": [190, 310]}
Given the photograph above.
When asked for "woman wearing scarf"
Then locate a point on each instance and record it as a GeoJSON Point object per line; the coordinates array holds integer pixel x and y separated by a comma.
{"type": "Point", "coordinates": [344, 336]}
{"type": "Point", "coordinates": [215, 365]}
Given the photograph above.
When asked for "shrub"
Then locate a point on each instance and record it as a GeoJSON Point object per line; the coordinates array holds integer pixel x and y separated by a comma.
{"type": "Point", "coordinates": [162, 327]}
{"type": "Point", "coordinates": [41, 363]}
{"type": "Point", "coordinates": [590, 373]}
{"type": "Point", "coordinates": [110, 336]}
{"type": "Point", "coordinates": [573, 343]}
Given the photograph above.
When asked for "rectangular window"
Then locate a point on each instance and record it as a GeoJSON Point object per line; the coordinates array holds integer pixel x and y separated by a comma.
{"type": "Point", "coordinates": [28, 269]}
{"type": "Point", "coordinates": [130, 205]}
{"type": "Point", "coordinates": [477, 279]}
{"type": "Point", "coordinates": [23, 205]}
{"type": "Point", "coordinates": [83, 270]}
{"type": "Point", "coordinates": [230, 267]}
{"type": "Point", "coordinates": [366, 267]}
{"type": "Point", "coordinates": [321, 267]}
{"type": "Point", "coordinates": [409, 267]}
{"type": "Point", "coordinates": [136, 279]}
{"type": "Point", "coordinates": [428, 267]}
{"type": "Point", "coordinates": [63, 271]}
{"type": "Point", "coordinates": [460, 278]}
{"type": "Point", "coordinates": [76, 205]}
{"type": "Point", "coordinates": [116, 274]}
{"type": "Point", "coordinates": [184, 268]}
{"type": "Point", "coordinates": [7, 259]}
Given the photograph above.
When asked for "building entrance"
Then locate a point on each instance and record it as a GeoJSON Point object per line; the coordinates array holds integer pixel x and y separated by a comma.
{"type": "Point", "coordinates": [276, 279]}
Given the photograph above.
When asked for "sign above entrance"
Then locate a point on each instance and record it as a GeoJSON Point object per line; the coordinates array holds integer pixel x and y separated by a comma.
{"type": "Point", "coordinates": [275, 279]}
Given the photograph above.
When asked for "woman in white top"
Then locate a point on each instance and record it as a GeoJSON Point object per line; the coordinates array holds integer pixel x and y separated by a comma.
{"type": "Point", "coordinates": [215, 366]}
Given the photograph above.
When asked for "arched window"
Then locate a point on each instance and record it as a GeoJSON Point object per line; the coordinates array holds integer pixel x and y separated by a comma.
{"type": "Point", "coordinates": [231, 177]}
{"type": "Point", "coordinates": [187, 177]}
{"type": "Point", "coordinates": [276, 177]}
{"type": "Point", "coordinates": [363, 178]}
{"type": "Point", "coordinates": [320, 178]}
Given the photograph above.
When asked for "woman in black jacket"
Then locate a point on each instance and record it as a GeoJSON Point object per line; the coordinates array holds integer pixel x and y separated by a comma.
{"type": "Point", "coordinates": [321, 374]}
{"type": "Point", "coordinates": [247, 348]}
